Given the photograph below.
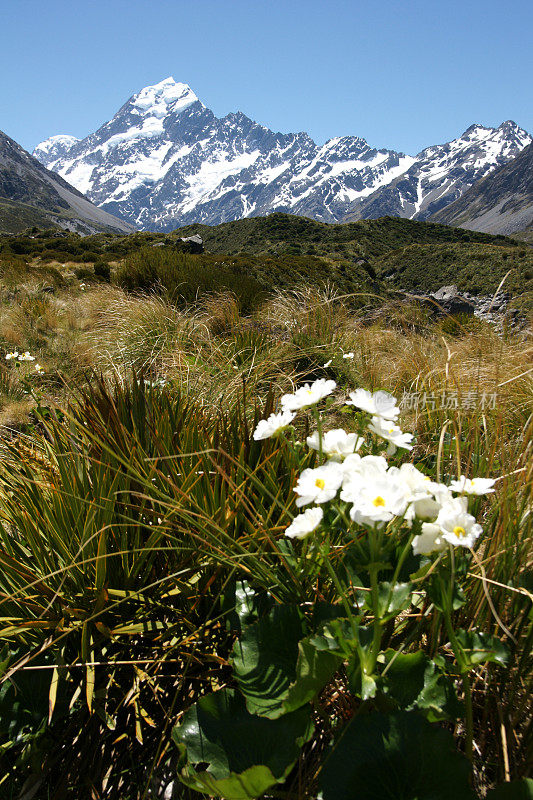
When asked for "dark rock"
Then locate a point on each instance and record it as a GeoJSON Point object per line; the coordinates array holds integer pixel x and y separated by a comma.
{"type": "Point", "coordinates": [191, 244]}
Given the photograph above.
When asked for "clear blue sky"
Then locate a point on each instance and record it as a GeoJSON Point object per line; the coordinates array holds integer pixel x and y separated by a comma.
{"type": "Point", "coordinates": [403, 75]}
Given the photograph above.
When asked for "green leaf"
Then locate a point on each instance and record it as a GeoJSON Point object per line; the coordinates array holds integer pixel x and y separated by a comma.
{"type": "Point", "coordinates": [391, 599]}
{"type": "Point", "coordinates": [413, 680]}
{"type": "Point", "coordinates": [242, 604]}
{"type": "Point", "coordinates": [395, 757]}
{"type": "Point", "coordinates": [517, 790]}
{"type": "Point", "coordinates": [278, 671]}
{"type": "Point", "coordinates": [404, 678]}
{"type": "Point", "coordinates": [368, 686]}
{"type": "Point", "coordinates": [245, 754]}
{"type": "Point", "coordinates": [336, 636]}
{"type": "Point", "coordinates": [480, 647]}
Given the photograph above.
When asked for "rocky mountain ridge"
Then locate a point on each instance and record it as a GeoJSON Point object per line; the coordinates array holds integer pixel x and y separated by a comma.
{"type": "Point", "coordinates": [502, 202]}
{"type": "Point", "coordinates": [31, 194]}
{"type": "Point", "coordinates": [165, 160]}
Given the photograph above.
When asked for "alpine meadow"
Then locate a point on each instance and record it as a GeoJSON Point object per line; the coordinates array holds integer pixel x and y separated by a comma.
{"type": "Point", "coordinates": [266, 426]}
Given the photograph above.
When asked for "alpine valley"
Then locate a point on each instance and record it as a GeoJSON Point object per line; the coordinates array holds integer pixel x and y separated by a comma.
{"type": "Point", "coordinates": [165, 160]}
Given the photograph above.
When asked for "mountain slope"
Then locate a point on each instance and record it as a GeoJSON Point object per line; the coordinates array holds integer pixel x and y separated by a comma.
{"type": "Point", "coordinates": [500, 203]}
{"type": "Point", "coordinates": [166, 160]}
{"type": "Point", "coordinates": [32, 195]}
{"type": "Point", "coordinates": [441, 174]}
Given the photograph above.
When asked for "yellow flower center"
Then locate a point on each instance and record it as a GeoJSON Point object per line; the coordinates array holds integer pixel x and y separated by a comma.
{"type": "Point", "coordinates": [391, 430]}
{"type": "Point", "coordinates": [459, 531]}
{"type": "Point", "coordinates": [378, 501]}
{"type": "Point", "coordinates": [320, 483]}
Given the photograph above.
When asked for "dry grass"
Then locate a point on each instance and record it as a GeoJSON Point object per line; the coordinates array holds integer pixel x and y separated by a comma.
{"type": "Point", "coordinates": [210, 353]}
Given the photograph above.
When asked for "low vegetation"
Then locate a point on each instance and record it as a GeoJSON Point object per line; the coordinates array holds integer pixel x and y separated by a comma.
{"type": "Point", "coordinates": [476, 268]}
{"type": "Point", "coordinates": [145, 573]}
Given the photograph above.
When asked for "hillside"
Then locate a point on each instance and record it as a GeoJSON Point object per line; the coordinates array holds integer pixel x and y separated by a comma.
{"type": "Point", "coordinates": [369, 239]}
{"type": "Point", "coordinates": [500, 203]}
{"type": "Point", "coordinates": [264, 254]}
{"type": "Point", "coordinates": [472, 267]}
{"type": "Point", "coordinates": [31, 195]}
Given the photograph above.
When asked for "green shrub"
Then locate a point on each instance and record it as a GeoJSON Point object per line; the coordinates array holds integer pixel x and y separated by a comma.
{"type": "Point", "coordinates": [102, 270]}
{"type": "Point", "coordinates": [84, 273]}
{"type": "Point", "coordinates": [186, 277]}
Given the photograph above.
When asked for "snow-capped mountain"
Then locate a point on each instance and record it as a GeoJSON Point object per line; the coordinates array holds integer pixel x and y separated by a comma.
{"type": "Point", "coordinates": [166, 160]}
{"type": "Point", "coordinates": [32, 195]}
{"type": "Point", "coordinates": [442, 173]}
{"type": "Point", "coordinates": [500, 203]}
{"type": "Point", "coordinates": [54, 148]}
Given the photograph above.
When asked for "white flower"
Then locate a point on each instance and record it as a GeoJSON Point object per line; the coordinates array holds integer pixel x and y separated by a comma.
{"type": "Point", "coordinates": [26, 357]}
{"type": "Point", "coordinates": [457, 526]}
{"type": "Point", "coordinates": [305, 523]}
{"type": "Point", "coordinates": [357, 469]}
{"type": "Point", "coordinates": [429, 541]}
{"type": "Point", "coordinates": [376, 499]}
{"type": "Point", "coordinates": [387, 430]}
{"type": "Point", "coordinates": [336, 443]}
{"type": "Point", "coordinates": [307, 395]}
{"type": "Point", "coordinates": [425, 508]}
{"type": "Point", "coordinates": [443, 494]}
{"type": "Point", "coordinates": [273, 425]}
{"type": "Point", "coordinates": [319, 485]}
{"type": "Point", "coordinates": [328, 362]}
{"type": "Point", "coordinates": [473, 485]}
{"type": "Point", "coordinates": [39, 369]}
{"type": "Point", "coordinates": [381, 404]}
{"type": "Point", "coordinates": [419, 485]}
{"type": "Point", "coordinates": [9, 356]}
{"type": "Point", "coordinates": [348, 355]}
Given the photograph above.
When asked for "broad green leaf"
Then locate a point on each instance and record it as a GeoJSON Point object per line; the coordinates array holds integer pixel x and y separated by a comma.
{"type": "Point", "coordinates": [245, 754]}
{"type": "Point", "coordinates": [276, 669]}
{"type": "Point", "coordinates": [480, 647]}
{"type": "Point", "coordinates": [369, 686]}
{"type": "Point", "coordinates": [391, 599]}
{"type": "Point", "coordinates": [517, 790]}
{"type": "Point", "coordinates": [243, 605]}
{"type": "Point", "coordinates": [413, 680]}
{"type": "Point", "coordinates": [395, 757]}
{"type": "Point", "coordinates": [336, 636]}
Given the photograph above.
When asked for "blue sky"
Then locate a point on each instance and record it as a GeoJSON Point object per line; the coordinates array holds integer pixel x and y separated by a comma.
{"type": "Point", "coordinates": [402, 75]}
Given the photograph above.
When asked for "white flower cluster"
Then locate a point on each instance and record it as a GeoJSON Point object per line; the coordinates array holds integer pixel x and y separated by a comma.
{"type": "Point", "coordinates": [20, 356]}
{"type": "Point", "coordinates": [375, 492]}
{"type": "Point", "coordinates": [16, 356]}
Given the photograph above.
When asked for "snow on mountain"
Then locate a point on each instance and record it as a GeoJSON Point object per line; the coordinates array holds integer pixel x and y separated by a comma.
{"type": "Point", "coordinates": [54, 148]}
{"type": "Point", "coordinates": [166, 160]}
{"type": "Point", "coordinates": [32, 195]}
{"type": "Point", "coordinates": [502, 202]}
{"type": "Point", "coordinates": [439, 175]}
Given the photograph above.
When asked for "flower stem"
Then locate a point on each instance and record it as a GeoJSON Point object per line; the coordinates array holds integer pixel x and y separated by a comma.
{"type": "Point", "coordinates": [463, 669]}
{"type": "Point", "coordinates": [318, 418]}
{"type": "Point", "coordinates": [342, 595]}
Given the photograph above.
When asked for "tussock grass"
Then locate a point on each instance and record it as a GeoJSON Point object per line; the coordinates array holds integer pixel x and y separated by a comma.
{"type": "Point", "coordinates": [129, 512]}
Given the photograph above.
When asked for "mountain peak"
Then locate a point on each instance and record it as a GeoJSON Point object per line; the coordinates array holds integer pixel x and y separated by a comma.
{"type": "Point", "coordinates": [55, 147]}
{"type": "Point", "coordinates": [162, 97]}
{"type": "Point", "coordinates": [509, 125]}
{"type": "Point", "coordinates": [474, 128]}
{"type": "Point", "coordinates": [165, 159]}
